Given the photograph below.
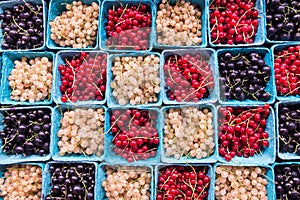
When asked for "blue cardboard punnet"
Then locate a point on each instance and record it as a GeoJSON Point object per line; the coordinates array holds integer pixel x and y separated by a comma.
{"type": "Point", "coordinates": [111, 101]}
{"type": "Point", "coordinates": [58, 115]}
{"type": "Point", "coordinates": [284, 156]}
{"type": "Point", "coordinates": [268, 154]}
{"type": "Point", "coordinates": [269, 175]}
{"type": "Point", "coordinates": [61, 56]}
{"type": "Point", "coordinates": [210, 173]}
{"type": "Point", "coordinates": [207, 53]}
{"type": "Point", "coordinates": [102, 176]}
{"type": "Point", "coordinates": [260, 35]}
{"type": "Point", "coordinates": [108, 4]}
{"type": "Point", "coordinates": [8, 59]}
{"type": "Point", "coordinates": [9, 159]}
{"type": "Point", "coordinates": [9, 4]}
{"type": "Point", "coordinates": [111, 157]}
{"type": "Point", "coordinates": [47, 176]}
{"type": "Point", "coordinates": [56, 7]}
{"type": "Point", "coordinates": [210, 159]}
{"type": "Point", "coordinates": [277, 48]}
{"type": "Point", "coordinates": [270, 86]}
{"type": "Point", "coordinates": [4, 167]}
{"type": "Point", "coordinates": [203, 7]}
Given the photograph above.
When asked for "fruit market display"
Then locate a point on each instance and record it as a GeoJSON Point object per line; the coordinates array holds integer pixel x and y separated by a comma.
{"type": "Point", "coordinates": [149, 100]}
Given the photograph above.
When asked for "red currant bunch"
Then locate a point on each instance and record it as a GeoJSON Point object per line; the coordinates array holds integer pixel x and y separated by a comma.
{"type": "Point", "coordinates": [242, 131]}
{"type": "Point", "coordinates": [287, 71]}
{"type": "Point", "coordinates": [128, 27]}
{"type": "Point", "coordinates": [135, 133]}
{"type": "Point", "coordinates": [183, 183]}
{"type": "Point", "coordinates": [188, 78]}
{"type": "Point", "coordinates": [83, 77]}
{"type": "Point", "coordinates": [233, 21]}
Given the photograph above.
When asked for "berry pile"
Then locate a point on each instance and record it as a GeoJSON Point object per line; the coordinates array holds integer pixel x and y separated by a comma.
{"type": "Point", "coordinates": [179, 24]}
{"type": "Point", "coordinates": [183, 182]}
{"type": "Point", "coordinates": [287, 181]}
{"type": "Point", "coordinates": [83, 77]}
{"type": "Point", "coordinates": [289, 128]}
{"type": "Point", "coordinates": [127, 183]}
{"type": "Point", "coordinates": [72, 181]}
{"type": "Point", "coordinates": [234, 22]}
{"type": "Point", "coordinates": [287, 68]}
{"type": "Point", "coordinates": [136, 79]}
{"type": "Point", "coordinates": [283, 19]}
{"type": "Point", "coordinates": [21, 182]}
{"type": "Point", "coordinates": [239, 182]}
{"type": "Point", "coordinates": [189, 132]}
{"type": "Point", "coordinates": [135, 136]}
{"type": "Point", "coordinates": [26, 132]}
{"type": "Point", "coordinates": [22, 26]}
{"type": "Point", "coordinates": [188, 77]}
{"type": "Point", "coordinates": [243, 76]}
{"type": "Point", "coordinates": [242, 131]}
{"type": "Point", "coordinates": [128, 27]}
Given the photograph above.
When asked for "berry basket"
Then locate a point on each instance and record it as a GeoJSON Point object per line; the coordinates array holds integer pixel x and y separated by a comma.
{"type": "Point", "coordinates": [108, 4]}
{"type": "Point", "coordinates": [111, 157]}
{"type": "Point", "coordinates": [55, 9]}
{"type": "Point", "coordinates": [8, 59]}
{"type": "Point", "coordinates": [203, 5]}
{"type": "Point", "coordinates": [185, 159]}
{"type": "Point", "coordinates": [208, 53]}
{"type": "Point", "coordinates": [267, 155]}
{"type": "Point", "coordinates": [58, 115]}
{"type": "Point", "coordinates": [9, 4]}
{"type": "Point", "coordinates": [60, 59]}
{"type": "Point", "coordinates": [260, 35]}
{"type": "Point", "coordinates": [287, 155]}
{"type": "Point", "coordinates": [47, 177]}
{"type": "Point", "coordinates": [209, 173]}
{"type": "Point", "coordinates": [102, 176]}
{"type": "Point", "coordinates": [3, 169]}
{"type": "Point", "coordinates": [270, 85]}
{"type": "Point", "coordinates": [279, 47]}
{"type": "Point", "coordinates": [10, 159]}
{"type": "Point", "coordinates": [111, 100]}
{"type": "Point", "coordinates": [269, 175]}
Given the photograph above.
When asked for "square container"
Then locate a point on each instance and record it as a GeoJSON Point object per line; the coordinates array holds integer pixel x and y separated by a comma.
{"type": "Point", "coordinates": [8, 59]}
{"type": "Point", "coordinates": [270, 86]}
{"type": "Point", "coordinates": [12, 159]}
{"type": "Point", "coordinates": [57, 116]}
{"type": "Point", "coordinates": [111, 101]}
{"type": "Point", "coordinates": [207, 53]}
{"type": "Point", "coordinates": [56, 7]}
{"type": "Point", "coordinates": [209, 159]}
{"type": "Point", "coordinates": [203, 7]}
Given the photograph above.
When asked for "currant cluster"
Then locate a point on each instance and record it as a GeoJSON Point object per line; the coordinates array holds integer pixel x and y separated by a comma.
{"type": "Point", "coordinates": [289, 128]}
{"type": "Point", "coordinates": [188, 77]}
{"type": "Point", "coordinates": [128, 27]}
{"type": "Point", "coordinates": [287, 181]}
{"type": "Point", "coordinates": [239, 182]}
{"type": "Point", "coordinates": [135, 136]}
{"type": "Point", "coordinates": [283, 20]}
{"type": "Point", "coordinates": [242, 131]}
{"type": "Point", "coordinates": [244, 76]}
{"type": "Point", "coordinates": [72, 181]}
{"type": "Point", "coordinates": [287, 68]}
{"type": "Point", "coordinates": [22, 26]}
{"type": "Point", "coordinates": [183, 182]}
{"type": "Point", "coordinates": [26, 132]}
{"type": "Point", "coordinates": [234, 22]}
{"type": "Point", "coordinates": [83, 77]}
{"type": "Point", "coordinates": [127, 183]}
